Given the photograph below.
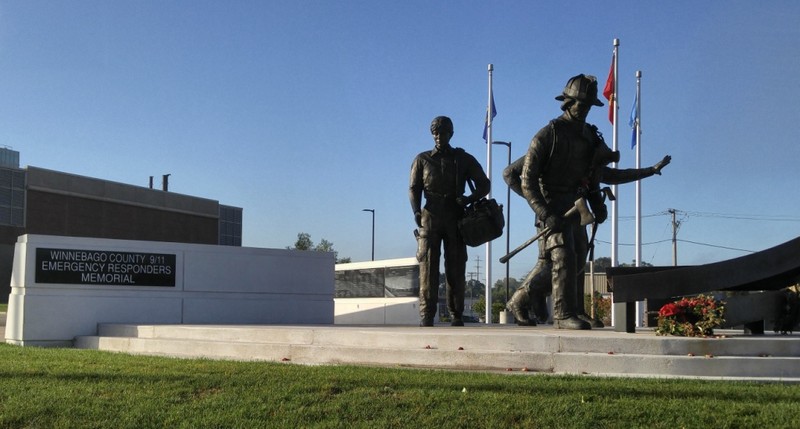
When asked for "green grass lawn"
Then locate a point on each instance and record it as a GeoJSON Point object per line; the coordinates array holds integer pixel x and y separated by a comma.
{"type": "Point", "coordinates": [68, 388]}
{"type": "Point", "coordinates": [3, 308]}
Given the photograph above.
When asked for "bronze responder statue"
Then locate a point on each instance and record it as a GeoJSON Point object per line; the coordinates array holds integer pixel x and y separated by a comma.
{"type": "Point", "coordinates": [441, 175]}
{"type": "Point", "coordinates": [532, 293]}
{"type": "Point", "coordinates": [557, 171]}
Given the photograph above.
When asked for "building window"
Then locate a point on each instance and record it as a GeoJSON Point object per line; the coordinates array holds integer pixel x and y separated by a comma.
{"type": "Point", "coordinates": [12, 197]}
{"type": "Point", "coordinates": [230, 226]}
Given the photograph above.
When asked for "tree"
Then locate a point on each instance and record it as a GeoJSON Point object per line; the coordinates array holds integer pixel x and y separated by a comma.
{"type": "Point", "coordinates": [324, 246]}
{"type": "Point", "coordinates": [499, 289]}
{"type": "Point", "coordinates": [633, 264]}
{"type": "Point", "coordinates": [305, 243]}
{"type": "Point", "coordinates": [474, 288]}
{"type": "Point", "coordinates": [600, 264]}
{"type": "Point", "coordinates": [479, 307]}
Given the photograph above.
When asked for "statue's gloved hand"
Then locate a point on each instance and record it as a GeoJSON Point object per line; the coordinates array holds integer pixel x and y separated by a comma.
{"type": "Point", "coordinates": [554, 222]}
{"type": "Point", "coordinates": [661, 164]}
{"type": "Point", "coordinates": [600, 213]}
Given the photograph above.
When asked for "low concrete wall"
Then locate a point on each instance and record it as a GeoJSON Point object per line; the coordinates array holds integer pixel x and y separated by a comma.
{"type": "Point", "coordinates": [62, 287]}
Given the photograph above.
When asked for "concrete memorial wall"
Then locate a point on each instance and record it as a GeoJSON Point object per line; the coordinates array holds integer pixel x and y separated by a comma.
{"type": "Point", "coordinates": [62, 287]}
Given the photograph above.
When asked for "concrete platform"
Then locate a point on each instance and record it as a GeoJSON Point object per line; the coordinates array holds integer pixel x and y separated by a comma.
{"type": "Point", "coordinates": [507, 348]}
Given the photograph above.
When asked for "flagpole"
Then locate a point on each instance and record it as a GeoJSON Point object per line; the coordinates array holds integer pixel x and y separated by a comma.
{"type": "Point", "coordinates": [488, 285]}
{"type": "Point", "coordinates": [614, 138]}
{"type": "Point", "coordinates": [614, 215]}
{"type": "Point", "coordinates": [638, 139]}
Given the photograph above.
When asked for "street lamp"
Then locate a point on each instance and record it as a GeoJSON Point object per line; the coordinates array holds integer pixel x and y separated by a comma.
{"type": "Point", "coordinates": [508, 216]}
{"type": "Point", "coordinates": [373, 230]}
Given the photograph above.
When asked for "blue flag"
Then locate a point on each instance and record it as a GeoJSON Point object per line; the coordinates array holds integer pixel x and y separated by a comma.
{"type": "Point", "coordinates": [486, 123]}
{"type": "Point", "coordinates": [634, 120]}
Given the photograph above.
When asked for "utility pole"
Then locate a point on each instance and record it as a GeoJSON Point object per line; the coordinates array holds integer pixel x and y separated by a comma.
{"type": "Point", "coordinates": [478, 275]}
{"type": "Point", "coordinates": [471, 285]}
{"type": "Point", "coordinates": [675, 226]}
{"type": "Point", "coordinates": [478, 267]}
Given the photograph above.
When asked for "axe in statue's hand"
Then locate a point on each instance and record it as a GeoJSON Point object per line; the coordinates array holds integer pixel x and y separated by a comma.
{"type": "Point", "coordinates": [580, 208]}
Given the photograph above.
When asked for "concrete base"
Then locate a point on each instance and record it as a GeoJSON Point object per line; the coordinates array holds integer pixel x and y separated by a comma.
{"type": "Point", "coordinates": [507, 348]}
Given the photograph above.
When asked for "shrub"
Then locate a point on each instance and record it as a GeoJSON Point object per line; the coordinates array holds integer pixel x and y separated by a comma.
{"type": "Point", "coordinates": [602, 307]}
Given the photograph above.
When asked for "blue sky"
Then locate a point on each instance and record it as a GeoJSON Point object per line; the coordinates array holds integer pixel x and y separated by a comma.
{"type": "Point", "coordinates": [306, 112]}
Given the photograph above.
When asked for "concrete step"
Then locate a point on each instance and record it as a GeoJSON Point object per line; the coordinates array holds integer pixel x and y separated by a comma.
{"type": "Point", "coordinates": [475, 347]}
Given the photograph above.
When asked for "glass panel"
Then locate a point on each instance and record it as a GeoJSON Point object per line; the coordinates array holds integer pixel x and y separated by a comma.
{"type": "Point", "coordinates": [5, 196]}
{"type": "Point", "coordinates": [18, 217]}
{"type": "Point", "coordinates": [5, 216]}
{"type": "Point", "coordinates": [18, 179]}
{"type": "Point", "coordinates": [359, 283]}
{"type": "Point", "coordinates": [5, 178]}
{"type": "Point", "coordinates": [17, 198]}
{"type": "Point", "coordinates": [402, 281]}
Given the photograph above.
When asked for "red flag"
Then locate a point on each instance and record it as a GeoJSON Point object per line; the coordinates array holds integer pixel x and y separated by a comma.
{"type": "Point", "coordinates": [608, 91]}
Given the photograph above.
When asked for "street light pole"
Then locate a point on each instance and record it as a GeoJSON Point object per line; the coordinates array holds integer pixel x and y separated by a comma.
{"type": "Point", "coordinates": [373, 230]}
{"type": "Point", "coordinates": [508, 217]}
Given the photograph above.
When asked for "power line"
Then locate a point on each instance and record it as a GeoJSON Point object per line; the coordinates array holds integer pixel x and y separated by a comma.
{"type": "Point", "coordinates": [696, 214]}
{"type": "Point", "coordinates": [680, 240]}
{"type": "Point", "coordinates": [631, 244]}
{"type": "Point", "coordinates": [770, 218]}
{"type": "Point", "coordinates": [717, 246]}
{"type": "Point", "coordinates": [733, 216]}
{"type": "Point", "coordinates": [627, 218]}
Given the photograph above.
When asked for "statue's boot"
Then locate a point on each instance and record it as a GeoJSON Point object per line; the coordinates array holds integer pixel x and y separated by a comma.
{"type": "Point", "coordinates": [565, 293]}
{"type": "Point", "coordinates": [426, 320]}
{"type": "Point", "coordinates": [596, 323]}
{"type": "Point", "coordinates": [572, 322]}
{"type": "Point", "coordinates": [581, 310]}
{"type": "Point", "coordinates": [518, 306]}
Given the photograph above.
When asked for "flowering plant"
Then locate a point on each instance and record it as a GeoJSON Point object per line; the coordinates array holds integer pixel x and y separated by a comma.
{"type": "Point", "coordinates": [691, 317]}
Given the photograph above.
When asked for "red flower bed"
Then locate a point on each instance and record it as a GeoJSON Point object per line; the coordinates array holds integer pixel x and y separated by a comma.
{"type": "Point", "coordinates": [691, 317]}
